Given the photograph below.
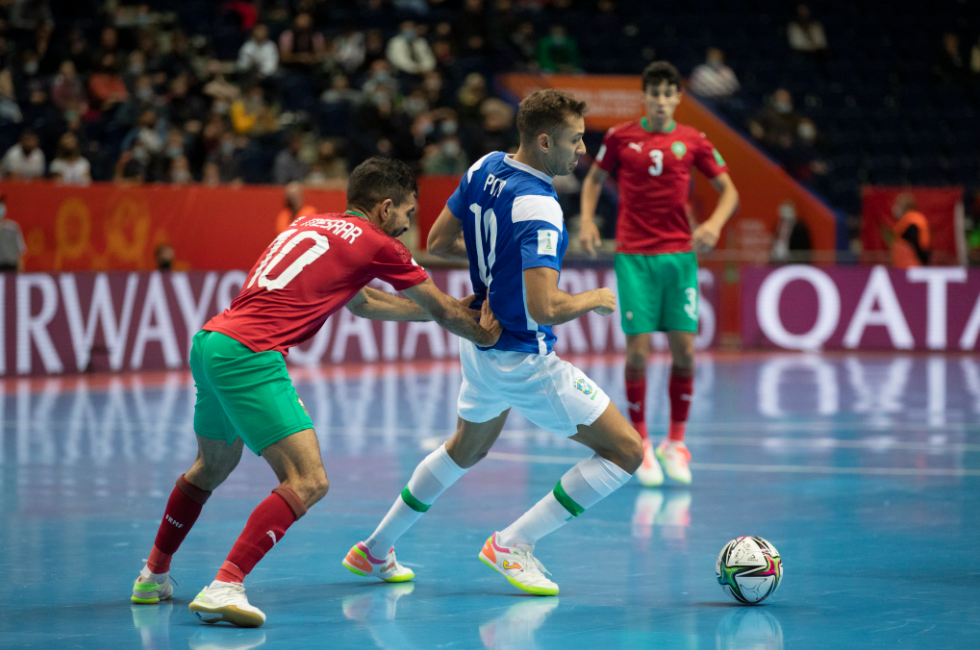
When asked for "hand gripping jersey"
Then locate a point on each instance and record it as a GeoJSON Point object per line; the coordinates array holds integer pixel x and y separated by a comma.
{"type": "Point", "coordinates": [511, 222]}
{"type": "Point", "coordinates": [306, 274]}
{"type": "Point", "coordinates": [653, 170]}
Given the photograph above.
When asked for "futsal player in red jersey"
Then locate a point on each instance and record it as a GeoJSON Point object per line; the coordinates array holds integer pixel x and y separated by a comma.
{"type": "Point", "coordinates": [655, 263]}
{"type": "Point", "coordinates": [244, 394]}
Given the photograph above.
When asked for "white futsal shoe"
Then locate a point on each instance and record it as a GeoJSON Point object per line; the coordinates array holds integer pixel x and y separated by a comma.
{"type": "Point", "coordinates": [649, 473]}
{"type": "Point", "coordinates": [519, 566]}
{"type": "Point", "coordinates": [675, 458]}
{"type": "Point", "coordinates": [151, 588]}
{"type": "Point", "coordinates": [226, 601]}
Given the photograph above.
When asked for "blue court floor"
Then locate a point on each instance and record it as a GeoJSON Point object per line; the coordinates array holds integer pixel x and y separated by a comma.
{"type": "Point", "coordinates": [863, 470]}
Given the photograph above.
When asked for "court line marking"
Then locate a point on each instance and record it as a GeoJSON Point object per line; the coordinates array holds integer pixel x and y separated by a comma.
{"type": "Point", "coordinates": [790, 469]}
{"type": "Point", "coordinates": [876, 443]}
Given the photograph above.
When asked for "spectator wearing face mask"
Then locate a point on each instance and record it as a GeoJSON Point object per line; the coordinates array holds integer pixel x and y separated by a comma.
{"type": "Point", "coordinates": [410, 53]}
{"type": "Point", "coordinates": [445, 158]}
{"type": "Point", "coordinates": [776, 120]}
{"type": "Point", "coordinates": [12, 246]}
{"type": "Point", "coordinates": [69, 167]}
{"type": "Point", "coordinates": [180, 171]}
{"type": "Point", "coordinates": [225, 160]}
{"type": "Point", "coordinates": [713, 79]}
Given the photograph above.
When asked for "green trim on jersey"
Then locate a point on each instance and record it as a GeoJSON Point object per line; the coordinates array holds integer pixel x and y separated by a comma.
{"type": "Point", "coordinates": [355, 213]}
{"type": "Point", "coordinates": [670, 127]}
{"type": "Point", "coordinates": [243, 394]}
{"type": "Point", "coordinates": [657, 293]}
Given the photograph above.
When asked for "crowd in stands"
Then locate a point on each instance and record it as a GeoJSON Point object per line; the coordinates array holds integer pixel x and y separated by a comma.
{"type": "Point", "coordinates": [300, 91]}
{"type": "Point", "coordinates": [193, 91]}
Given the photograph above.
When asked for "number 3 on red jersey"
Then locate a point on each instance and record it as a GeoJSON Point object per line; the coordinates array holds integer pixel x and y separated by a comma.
{"type": "Point", "coordinates": [281, 247]}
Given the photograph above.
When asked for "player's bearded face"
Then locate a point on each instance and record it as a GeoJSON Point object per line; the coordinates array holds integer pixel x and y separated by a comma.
{"type": "Point", "coordinates": [568, 146]}
{"type": "Point", "coordinates": [661, 102]}
{"type": "Point", "coordinates": [397, 218]}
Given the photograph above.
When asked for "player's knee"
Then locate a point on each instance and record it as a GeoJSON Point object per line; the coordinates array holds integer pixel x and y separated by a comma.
{"type": "Point", "coordinates": [312, 488]}
{"type": "Point", "coordinates": [319, 486]}
{"type": "Point", "coordinates": [636, 361]}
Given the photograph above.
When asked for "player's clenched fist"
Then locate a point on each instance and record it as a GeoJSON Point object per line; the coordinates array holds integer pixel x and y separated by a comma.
{"type": "Point", "coordinates": [607, 302]}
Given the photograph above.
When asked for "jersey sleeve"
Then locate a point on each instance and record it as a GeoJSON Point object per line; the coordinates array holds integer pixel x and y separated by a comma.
{"type": "Point", "coordinates": [707, 159]}
{"type": "Point", "coordinates": [538, 226]}
{"type": "Point", "coordinates": [393, 264]}
{"type": "Point", "coordinates": [608, 156]}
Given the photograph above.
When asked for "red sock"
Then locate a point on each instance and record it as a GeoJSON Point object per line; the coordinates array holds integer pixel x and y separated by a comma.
{"type": "Point", "coordinates": [266, 527]}
{"type": "Point", "coordinates": [681, 390]}
{"type": "Point", "coordinates": [636, 395]}
{"type": "Point", "coordinates": [183, 508]}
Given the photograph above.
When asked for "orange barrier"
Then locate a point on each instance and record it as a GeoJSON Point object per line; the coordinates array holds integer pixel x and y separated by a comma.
{"type": "Point", "coordinates": [106, 227]}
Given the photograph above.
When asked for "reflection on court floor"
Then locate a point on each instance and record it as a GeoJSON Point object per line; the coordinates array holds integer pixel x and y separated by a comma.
{"type": "Point", "coordinates": [862, 469]}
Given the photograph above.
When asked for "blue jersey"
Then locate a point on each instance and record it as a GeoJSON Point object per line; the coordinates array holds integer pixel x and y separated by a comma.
{"type": "Point", "coordinates": [511, 222]}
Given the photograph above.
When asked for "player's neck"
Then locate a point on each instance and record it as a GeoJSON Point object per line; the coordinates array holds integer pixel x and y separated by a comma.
{"type": "Point", "coordinates": [525, 157]}
{"type": "Point", "coordinates": [657, 126]}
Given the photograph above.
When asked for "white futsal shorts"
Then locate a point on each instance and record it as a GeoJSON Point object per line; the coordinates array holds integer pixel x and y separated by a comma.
{"type": "Point", "coordinates": [553, 394]}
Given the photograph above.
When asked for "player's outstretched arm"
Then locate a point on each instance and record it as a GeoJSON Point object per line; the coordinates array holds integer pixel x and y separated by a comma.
{"type": "Point", "coordinates": [454, 316]}
{"type": "Point", "coordinates": [588, 234]}
{"type": "Point", "coordinates": [381, 305]}
{"type": "Point", "coordinates": [446, 237]}
{"type": "Point", "coordinates": [549, 305]}
{"type": "Point", "coordinates": [706, 235]}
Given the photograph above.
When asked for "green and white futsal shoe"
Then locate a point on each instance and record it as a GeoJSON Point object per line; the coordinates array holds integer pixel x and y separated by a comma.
{"type": "Point", "coordinates": [226, 601]}
{"type": "Point", "coordinates": [519, 566]}
{"type": "Point", "coordinates": [151, 588]}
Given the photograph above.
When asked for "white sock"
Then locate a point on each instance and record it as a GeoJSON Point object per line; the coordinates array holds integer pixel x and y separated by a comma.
{"type": "Point", "coordinates": [580, 488]}
{"type": "Point", "coordinates": [149, 576]}
{"type": "Point", "coordinates": [431, 478]}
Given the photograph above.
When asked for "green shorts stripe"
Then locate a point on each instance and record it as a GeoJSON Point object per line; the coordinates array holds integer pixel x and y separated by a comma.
{"type": "Point", "coordinates": [243, 394]}
{"type": "Point", "coordinates": [412, 502]}
{"type": "Point", "coordinates": [657, 293]}
{"type": "Point", "coordinates": [567, 502]}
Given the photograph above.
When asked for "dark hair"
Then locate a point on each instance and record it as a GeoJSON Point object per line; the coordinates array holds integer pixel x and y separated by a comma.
{"type": "Point", "coordinates": [544, 110]}
{"type": "Point", "coordinates": [660, 71]}
{"type": "Point", "coordinates": [377, 179]}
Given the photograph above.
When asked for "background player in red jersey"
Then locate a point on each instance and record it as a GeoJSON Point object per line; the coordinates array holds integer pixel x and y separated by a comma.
{"type": "Point", "coordinates": [244, 395]}
{"type": "Point", "coordinates": [656, 268]}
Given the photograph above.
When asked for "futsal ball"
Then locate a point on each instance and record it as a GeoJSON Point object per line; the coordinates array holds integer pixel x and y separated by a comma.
{"type": "Point", "coordinates": [749, 569]}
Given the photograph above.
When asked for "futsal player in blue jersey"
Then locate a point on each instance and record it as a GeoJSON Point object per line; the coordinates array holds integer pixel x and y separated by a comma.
{"type": "Point", "coordinates": [505, 219]}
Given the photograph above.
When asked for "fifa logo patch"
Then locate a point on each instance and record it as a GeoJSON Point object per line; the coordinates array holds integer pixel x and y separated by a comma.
{"type": "Point", "coordinates": [679, 149]}
{"type": "Point", "coordinates": [548, 242]}
{"type": "Point", "coordinates": [585, 387]}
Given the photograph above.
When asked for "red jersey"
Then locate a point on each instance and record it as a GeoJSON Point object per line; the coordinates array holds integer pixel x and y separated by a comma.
{"type": "Point", "coordinates": [306, 274]}
{"type": "Point", "coordinates": [653, 171]}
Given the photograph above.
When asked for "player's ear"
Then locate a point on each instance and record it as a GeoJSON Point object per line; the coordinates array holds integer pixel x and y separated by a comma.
{"type": "Point", "coordinates": [544, 142]}
{"type": "Point", "coordinates": [385, 208]}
